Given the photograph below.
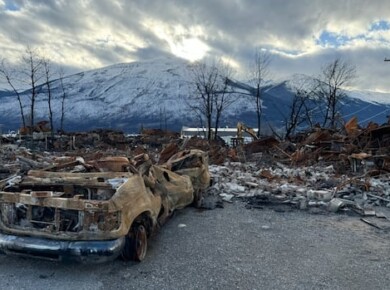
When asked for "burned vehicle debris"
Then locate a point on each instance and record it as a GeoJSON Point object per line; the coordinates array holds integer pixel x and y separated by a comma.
{"type": "Point", "coordinates": [107, 211]}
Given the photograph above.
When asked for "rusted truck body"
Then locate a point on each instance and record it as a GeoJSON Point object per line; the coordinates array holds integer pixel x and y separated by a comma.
{"type": "Point", "coordinates": [97, 216]}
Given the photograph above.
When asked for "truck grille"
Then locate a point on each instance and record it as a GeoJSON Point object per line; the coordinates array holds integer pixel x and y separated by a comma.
{"type": "Point", "coordinates": [21, 216]}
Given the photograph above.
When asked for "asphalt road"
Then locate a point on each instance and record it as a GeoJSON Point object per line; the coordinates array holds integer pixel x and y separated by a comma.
{"type": "Point", "coordinates": [231, 248]}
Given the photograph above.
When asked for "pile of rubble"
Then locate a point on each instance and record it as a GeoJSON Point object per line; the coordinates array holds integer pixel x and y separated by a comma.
{"type": "Point", "coordinates": [351, 149]}
{"type": "Point", "coordinates": [346, 169]}
{"type": "Point", "coordinates": [301, 187]}
{"type": "Point", "coordinates": [319, 171]}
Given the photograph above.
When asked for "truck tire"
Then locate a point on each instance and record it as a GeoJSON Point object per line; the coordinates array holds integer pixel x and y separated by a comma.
{"type": "Point", "coordinates": [136, 243]}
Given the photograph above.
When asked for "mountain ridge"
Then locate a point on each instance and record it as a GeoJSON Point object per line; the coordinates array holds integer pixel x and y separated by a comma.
{"type": "Point", "coordinates": [153, 93]}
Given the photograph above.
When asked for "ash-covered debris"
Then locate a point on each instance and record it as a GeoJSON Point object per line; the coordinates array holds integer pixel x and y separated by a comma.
{"type": "Point", "coordinates": [321, 168]}
{"type": "Point", "coordinates": [321, 171]}
{"type": "Point", "coordinates": [302, 187]}
{"type": "Point", "coordinates": [335, 170]}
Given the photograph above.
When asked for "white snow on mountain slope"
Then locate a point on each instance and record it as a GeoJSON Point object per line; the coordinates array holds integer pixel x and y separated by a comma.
{"type": "Point", "coordinates": [144, 89]}
{"type": "Point", "coordinates": [153, 87]}
{"type": "Point", "coordinates": [129, 88]}
{"type": "Point", "coordinates": [371, 97]}
{"type": "Point", "coordinates": [122, 89]}
{"type": "Point", "coordinates": [305, 83]}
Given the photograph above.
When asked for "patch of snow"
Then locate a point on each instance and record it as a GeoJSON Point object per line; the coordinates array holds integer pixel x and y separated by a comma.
{"type": "Point", "coordinates": [371, 97]}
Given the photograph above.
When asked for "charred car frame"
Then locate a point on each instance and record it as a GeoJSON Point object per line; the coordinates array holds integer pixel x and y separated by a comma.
{"type": "Point", "coordinates": [100, 215]}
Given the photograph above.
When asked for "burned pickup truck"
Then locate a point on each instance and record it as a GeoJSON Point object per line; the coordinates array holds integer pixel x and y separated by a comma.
{"type": "Point", "coordinates": [98, 215]}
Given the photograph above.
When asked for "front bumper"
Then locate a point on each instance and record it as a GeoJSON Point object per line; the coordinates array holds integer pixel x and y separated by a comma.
{"type": "Point", "coordinates": [59, 250]}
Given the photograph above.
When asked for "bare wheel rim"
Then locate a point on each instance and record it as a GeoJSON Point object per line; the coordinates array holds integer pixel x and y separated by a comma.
{"type": "Point", "coordinates": [141, 242]}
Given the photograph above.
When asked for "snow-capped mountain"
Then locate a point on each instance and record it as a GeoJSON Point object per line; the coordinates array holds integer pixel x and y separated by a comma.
{"type": "Point", "coordinates": [154, 94]}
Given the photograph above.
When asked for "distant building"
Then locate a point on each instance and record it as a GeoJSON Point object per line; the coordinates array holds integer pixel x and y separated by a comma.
{"type": "Point", "coordinates": [225, 133]}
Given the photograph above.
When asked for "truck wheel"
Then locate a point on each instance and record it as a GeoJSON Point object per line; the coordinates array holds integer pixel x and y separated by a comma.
{"type": "Point", "coordinates": [198, 198]}
{"type": "Point", "coordinates": [136, 244]}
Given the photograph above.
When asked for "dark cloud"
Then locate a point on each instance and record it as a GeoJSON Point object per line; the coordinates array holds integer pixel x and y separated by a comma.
{"type": "Point", "coordinates": [151, 53]}
{"type": "Point", "coordinates": [85, 34]}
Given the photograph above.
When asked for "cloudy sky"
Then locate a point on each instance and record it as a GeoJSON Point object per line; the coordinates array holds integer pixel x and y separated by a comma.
{"type": "Point", "coordinates": [301, 35]}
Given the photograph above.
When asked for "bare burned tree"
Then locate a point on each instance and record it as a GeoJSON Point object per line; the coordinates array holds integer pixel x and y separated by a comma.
{"type": "Point", "coordinates": [297, 115]}
{"type": "Point", "coordinates": [63, 97]}
{"type": "Point", "coordinates": [259, 72]}
{"type": "Point", "coordinates": [302, 105]}
{"type": "Point", "coordinates": [225, 95]}
{"type": "Point", "coordinates": [47, 75]}
{"type": "Point", "coordinates": [33, 73]}
{"type": "Point", "coordinates": [8, 75]}
{"type": "Point", "coordinates": [212, 93]}
{"type": "Point", "coordinates": [205, 81]}
{"type": "Point", "coordinates": [335, 75]}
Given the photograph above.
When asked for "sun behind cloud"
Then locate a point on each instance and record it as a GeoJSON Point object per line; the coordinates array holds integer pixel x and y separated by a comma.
{"type": "Point", "coordinates": [183, 41]}
{"type": "Point", "coordinates": [191, 49]}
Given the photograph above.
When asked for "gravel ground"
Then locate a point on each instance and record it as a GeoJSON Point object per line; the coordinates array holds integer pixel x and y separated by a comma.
{"type": "Point", "coordinates": [231, 248]}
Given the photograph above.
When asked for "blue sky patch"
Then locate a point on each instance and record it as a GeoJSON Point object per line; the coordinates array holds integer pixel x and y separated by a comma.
{"type": "Point", "coordinates": [11, 5]}
{"type": "Point", "coordinates": [332, 39]}
{"type": "Point", "coordinates": [380, 25]}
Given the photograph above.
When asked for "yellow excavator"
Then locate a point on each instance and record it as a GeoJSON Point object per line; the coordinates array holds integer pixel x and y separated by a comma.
{"type": "Point", "coordinates": [241, 128]}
